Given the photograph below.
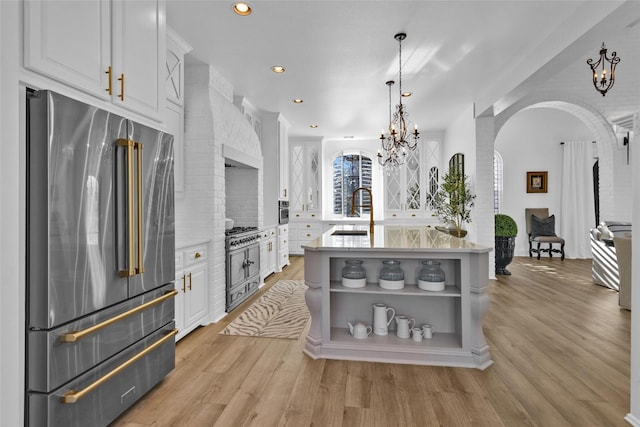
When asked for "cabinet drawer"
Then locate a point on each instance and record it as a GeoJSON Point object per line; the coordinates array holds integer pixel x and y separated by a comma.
{"type": "Point", "coordinates": [195, 254]}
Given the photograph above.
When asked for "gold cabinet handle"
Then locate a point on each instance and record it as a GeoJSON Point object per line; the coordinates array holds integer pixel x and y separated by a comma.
{"type": "Point", "coordinates": [313, 215]}
{"type": "Point", "coordinates": [190, 281]}
{"type": "Point", "coordinates": [184, 283]}
{"type": "Point", "coordinates": [121, 80]}
{"type": "Point", "coordinates": [297, 215]}
{"type": "Point", "coordinates": [197, 255]}
{"type": "Point", "coordinates": [140, 269]}
{"type": "Point", "coordinates": [75, 336]}
{"type": "Point", "coordinates": [130, 269]}
{"type": "Point", "coordinates": [73, 396]}
{"type": "Point", "coordinates": [109, 88]}
{"type": "Point", "coordinates": [394, 215]}
{"type": "Point", "coordinates": [308, 235]}
{"type": "Point", "coordinates": [308, 225]}
{"type": "Point", "coordinates": [413, 214]}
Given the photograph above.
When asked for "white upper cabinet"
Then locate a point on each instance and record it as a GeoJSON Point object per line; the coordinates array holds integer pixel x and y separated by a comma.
{"type": "Point", "coordinates": [69, 42]}
{"type": "Point", "coordinates": [177, 48]}
{"type": "Point", "coordinates": [304, 179]}
{"type": "Point", "coordinates": [409, 189]}
{"type": "Point", "coordinates": [283, 147]}
{"type": "Point", "coordinates": [113, 50]}
{"type": "Point", "coordinates": [275, 153]}
{"type": "Point", "coordinates": [173, 79]}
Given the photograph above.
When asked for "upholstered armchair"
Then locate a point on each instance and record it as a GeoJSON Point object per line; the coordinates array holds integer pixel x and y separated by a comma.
{"type": "Point", "coordinates": [541, 230]}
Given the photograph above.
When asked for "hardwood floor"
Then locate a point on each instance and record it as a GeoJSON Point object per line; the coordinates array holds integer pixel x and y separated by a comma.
{"type": "Point", "coordinates": [560, 346]}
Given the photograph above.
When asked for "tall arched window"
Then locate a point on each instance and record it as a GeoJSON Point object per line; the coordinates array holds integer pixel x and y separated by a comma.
{"type": "Point", "coordinates": [351, 171]}
{"type": "Point", "coordinates": [497, 182]}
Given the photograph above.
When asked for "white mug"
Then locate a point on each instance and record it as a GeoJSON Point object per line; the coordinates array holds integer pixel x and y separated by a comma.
{"type": "Point", "coordinates": [427, 331]}
{"type": "Point", "coordinates": [403, 325]}
{"type": "Point", "coordinates": [381, 319]}
{"type": "Point", "coordinates": [416, 334]}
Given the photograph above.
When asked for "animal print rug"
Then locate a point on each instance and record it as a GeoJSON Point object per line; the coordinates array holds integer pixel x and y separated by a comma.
{"type": "Point", "coordinates": [280, 313]}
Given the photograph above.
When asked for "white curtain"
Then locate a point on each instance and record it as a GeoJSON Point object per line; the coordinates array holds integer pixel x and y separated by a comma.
{"type": "Point", "coordinates": [577, 208]}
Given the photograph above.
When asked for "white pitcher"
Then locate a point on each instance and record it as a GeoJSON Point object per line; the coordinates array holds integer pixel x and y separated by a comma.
{"type": "Point", "coordinates": [404, 325]}
{"type": "Point", "coordinates": [381, 319]}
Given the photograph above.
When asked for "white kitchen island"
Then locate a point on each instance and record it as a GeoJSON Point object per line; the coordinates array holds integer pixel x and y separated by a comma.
{"type": "Point", "coordinates": [456, 313]}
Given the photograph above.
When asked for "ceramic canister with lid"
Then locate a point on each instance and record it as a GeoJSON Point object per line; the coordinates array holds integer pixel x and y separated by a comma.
{"type": "Point", "coordinates": [391, 275]}
{"type": "Point", "coordinates": [353, 274]}
{"type": "Point", "coordinates": [431, 276]}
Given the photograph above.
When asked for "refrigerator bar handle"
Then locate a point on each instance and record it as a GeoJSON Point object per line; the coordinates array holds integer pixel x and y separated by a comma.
{"type": "Point", "coordinates": [128, 144]}
{"type": "Point", "coordinates": [75, 336]}
{"type": "Point", "coordinates": [140, 269]}
{"type": "Point", "coordinates": [73, 396]}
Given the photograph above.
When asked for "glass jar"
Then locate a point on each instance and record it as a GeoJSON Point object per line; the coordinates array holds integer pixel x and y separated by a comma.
{"type": "Point", "coordinates": [391, 270]}
{"type": "Point", "coordinates": [353, 269]}
{"type": "Point", "coordinates": [431, 276]}
{"type": "Point", "coordinates": [431, 271]}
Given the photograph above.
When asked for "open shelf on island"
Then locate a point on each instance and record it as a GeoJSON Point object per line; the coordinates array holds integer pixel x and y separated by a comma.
{"type": "Point", "coordinates": [439, 340]}
{"type": "Point", "coordinates": [373, 288]}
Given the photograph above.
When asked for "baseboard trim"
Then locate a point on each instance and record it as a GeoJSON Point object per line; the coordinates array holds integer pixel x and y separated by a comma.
{"type": "Point", "coordinates": [632, 419]}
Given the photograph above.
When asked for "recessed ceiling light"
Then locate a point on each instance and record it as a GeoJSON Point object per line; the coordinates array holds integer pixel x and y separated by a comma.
{"type": "Point", "coordinates": [407, 94]}
{"type": "Point", "coordinates": [313, 126]}
{"type": "Point", "coordinates": [298, 101]}
{"type": "Point", "coordinates": [277, 69]}
{"type": "Point", "coordinates": [349, 137]}
{"type": "Point", "coordinates": [242, 9]}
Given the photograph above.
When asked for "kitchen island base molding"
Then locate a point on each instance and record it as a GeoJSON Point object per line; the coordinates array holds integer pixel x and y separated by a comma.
{"type": "Point", "coordinates": [456, 313]}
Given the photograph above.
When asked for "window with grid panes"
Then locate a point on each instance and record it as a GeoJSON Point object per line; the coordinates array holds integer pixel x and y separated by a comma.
{"type": "Point", "coordinates": [351, 171]}
{"type": "Point", "coordinates": [497, 182]}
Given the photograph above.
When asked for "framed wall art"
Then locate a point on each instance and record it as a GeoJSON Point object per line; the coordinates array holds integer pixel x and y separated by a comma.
{"type": "Point", "coordinates": [537, 182]}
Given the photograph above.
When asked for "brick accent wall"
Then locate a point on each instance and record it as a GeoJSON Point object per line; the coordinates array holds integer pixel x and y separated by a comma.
{"type": "Point", "coordinates": [212, 120]}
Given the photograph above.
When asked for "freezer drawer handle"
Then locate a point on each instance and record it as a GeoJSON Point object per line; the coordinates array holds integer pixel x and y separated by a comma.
{"type": "Point", "coordinates": [73, 396]}
{"type": "Point", "coordinates": [75, 336]}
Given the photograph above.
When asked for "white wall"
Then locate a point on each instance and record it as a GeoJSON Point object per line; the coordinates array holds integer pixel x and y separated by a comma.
{"type": "Point", "coordinates": [530, 141]}
{"type": "Point", "coordinates": [460, 137]}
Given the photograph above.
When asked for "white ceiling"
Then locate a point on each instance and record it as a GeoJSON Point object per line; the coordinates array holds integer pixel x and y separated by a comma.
{"type": "Point", "coordinates": [338, 54]}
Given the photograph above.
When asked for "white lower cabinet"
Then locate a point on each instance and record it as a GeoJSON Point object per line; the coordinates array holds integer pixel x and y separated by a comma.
{"type": "Point", "coordinates": [283, 247]}
{"type": "Point", "coordinates": [268, 253]}
{"type": "Point", "coordinates": [302, 232]}
{"type": "Point", "coordinates": [191, 284]}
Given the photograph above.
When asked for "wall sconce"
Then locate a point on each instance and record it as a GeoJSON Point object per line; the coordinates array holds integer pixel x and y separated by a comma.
{"type": "Point", "coordinates": [601, 82]}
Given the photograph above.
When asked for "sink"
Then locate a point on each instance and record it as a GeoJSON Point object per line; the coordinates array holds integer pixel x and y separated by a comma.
{"type": "Point", "coordinates": [349, 233]}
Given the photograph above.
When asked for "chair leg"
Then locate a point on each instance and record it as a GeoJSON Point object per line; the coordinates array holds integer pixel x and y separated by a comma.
{"type": "Point", "coordinates": [550, 250]}
{"type": "Point", "coordinates": [530, 249]}
{"type": "Point", "coordinates": [538, 250]}
{"type": "Point", "coordinates": [562, 251]}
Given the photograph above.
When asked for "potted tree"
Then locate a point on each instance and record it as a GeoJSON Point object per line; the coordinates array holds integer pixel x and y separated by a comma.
{"type": "Point", "coordinates": [453, 202]}
{"type": "Point", "coordinates": [505, 232]}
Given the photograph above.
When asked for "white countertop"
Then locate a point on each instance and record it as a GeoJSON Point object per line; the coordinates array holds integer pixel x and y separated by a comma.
{"type": "Point", "coordinates": [393, 237]}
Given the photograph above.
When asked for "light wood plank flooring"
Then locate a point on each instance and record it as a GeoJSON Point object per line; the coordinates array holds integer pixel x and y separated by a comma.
{"type": "Point", "coordinates": [559, 343]}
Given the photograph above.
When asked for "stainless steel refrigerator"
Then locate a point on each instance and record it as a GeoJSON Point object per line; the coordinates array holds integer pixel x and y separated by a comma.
{"type": "Point", "coordinates": [100, 262]}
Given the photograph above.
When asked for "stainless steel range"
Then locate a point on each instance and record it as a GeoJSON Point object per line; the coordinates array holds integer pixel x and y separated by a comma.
{"type": "Point", "coordinates": [243, 264]}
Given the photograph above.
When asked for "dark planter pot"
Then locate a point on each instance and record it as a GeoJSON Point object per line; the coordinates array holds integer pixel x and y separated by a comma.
{"type": "Point", "coordinates": [504, 253]}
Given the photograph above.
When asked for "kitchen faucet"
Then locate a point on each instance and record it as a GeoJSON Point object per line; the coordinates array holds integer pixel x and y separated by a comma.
{"type": "Point", "coordinates": [370, 206]}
